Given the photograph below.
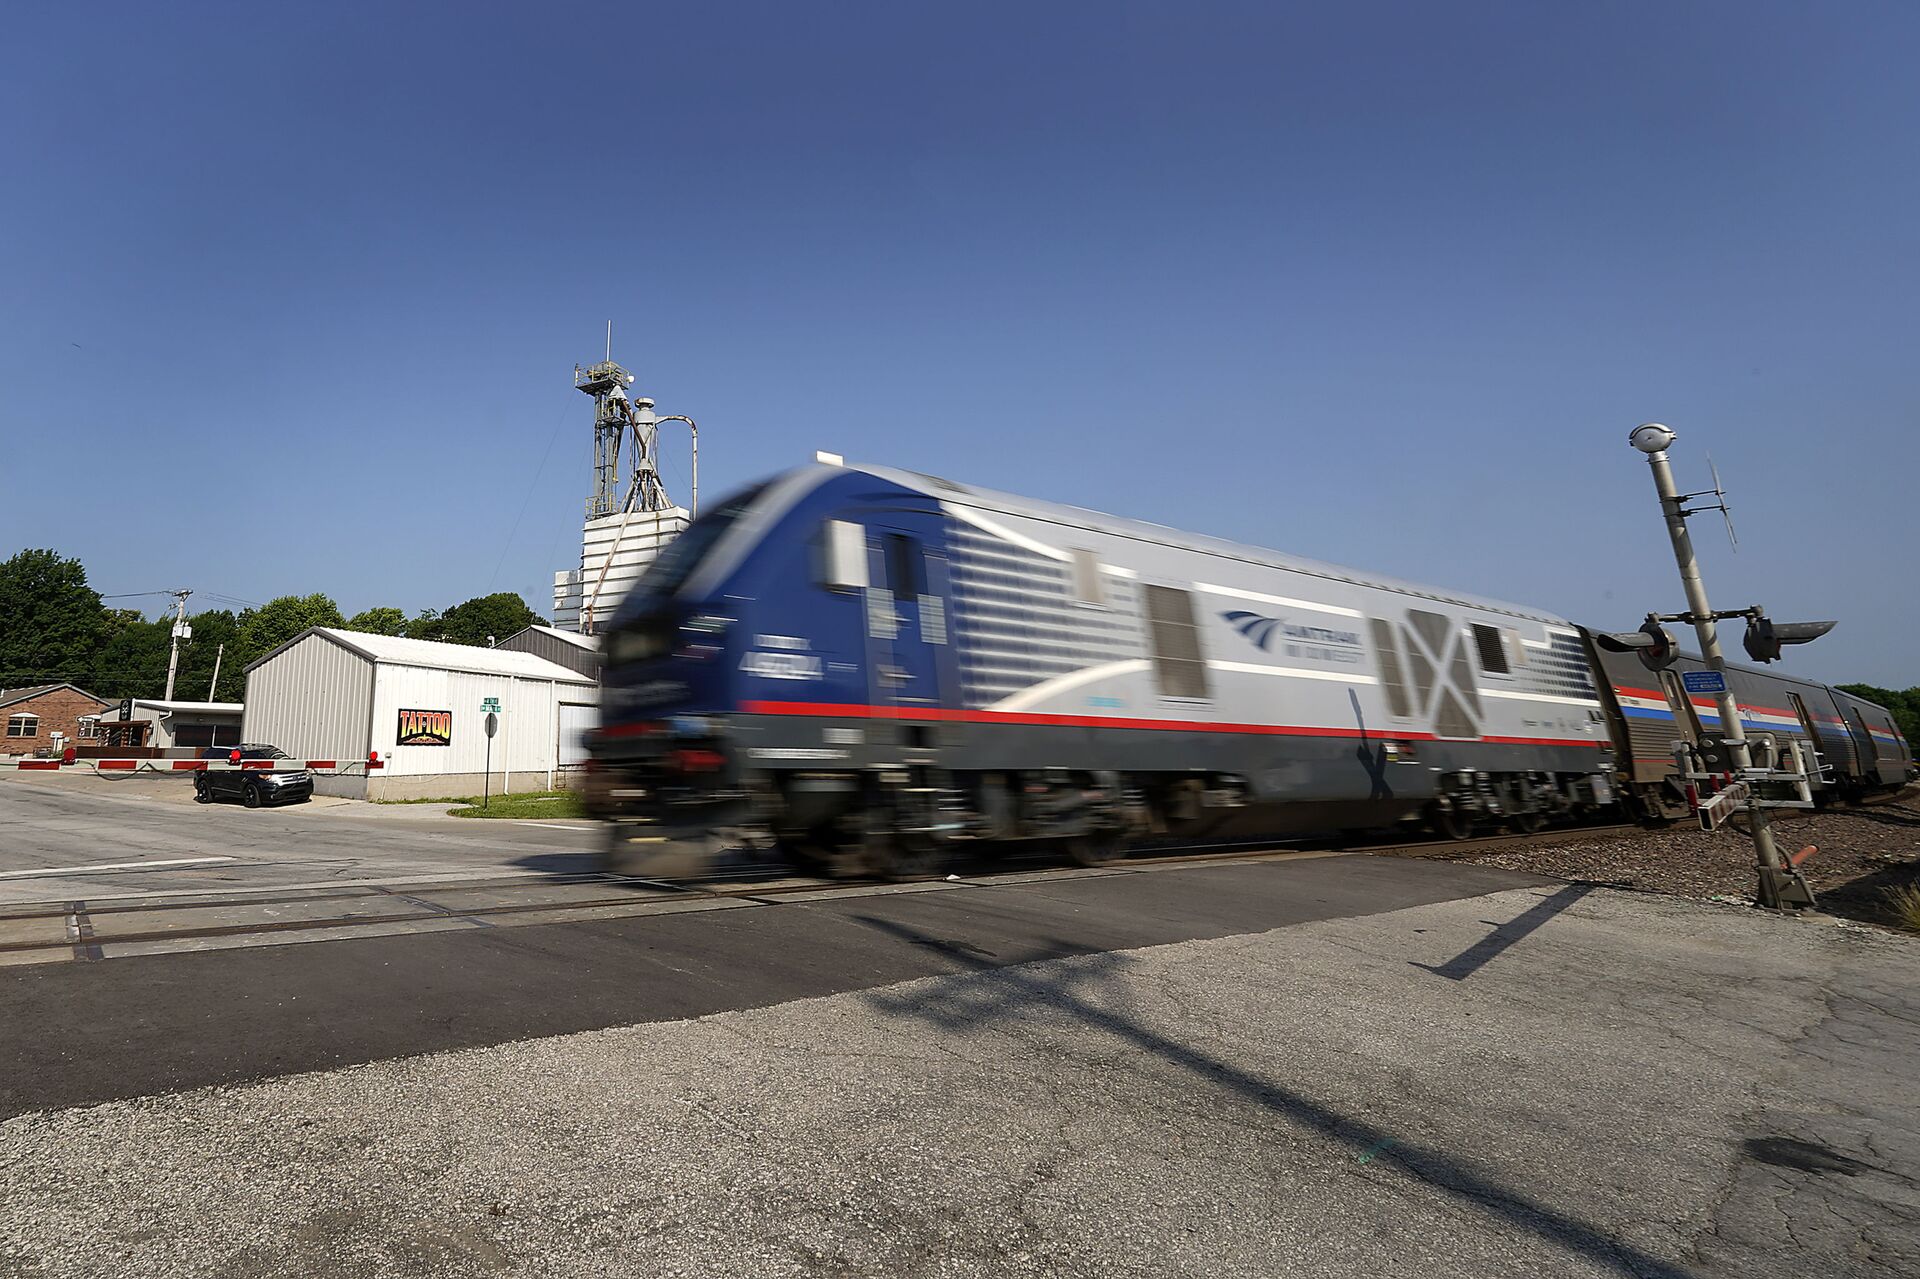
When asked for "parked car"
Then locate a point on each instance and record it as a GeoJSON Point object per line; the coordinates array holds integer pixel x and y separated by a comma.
{"type": "Point", "coordinates": [253, 787]}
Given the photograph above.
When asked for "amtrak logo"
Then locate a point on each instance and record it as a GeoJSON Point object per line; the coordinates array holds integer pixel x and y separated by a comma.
{"type": "Point", "coordinates": [1259, 630]}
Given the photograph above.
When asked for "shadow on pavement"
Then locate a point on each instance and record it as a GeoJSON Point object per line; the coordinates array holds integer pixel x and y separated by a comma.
{"type": "Point", "coordinates": [1476, 956]}
{"type": "Point", "coordinates": [1076, 990]}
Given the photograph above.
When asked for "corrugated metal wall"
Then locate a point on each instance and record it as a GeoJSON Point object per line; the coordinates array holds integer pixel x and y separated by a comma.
{"type": "Point", "coordinates": [561, 652]}
{"type": "Point", "coordinates": [529, 722]}
{"type": "Point", "coordinates": [311, 701]}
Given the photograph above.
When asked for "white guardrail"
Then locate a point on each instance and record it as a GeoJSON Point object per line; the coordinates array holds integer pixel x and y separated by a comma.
{"type": "Point", "coordinates": [335, 767]}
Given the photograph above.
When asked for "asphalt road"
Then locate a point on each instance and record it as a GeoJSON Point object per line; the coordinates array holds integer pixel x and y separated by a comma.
{"type": "Point", "coordinates": [132, 1027]}
{"type": "Point", "coordinates": [54, 827]}
{"type": "Point", "coordinates": [1334, 1066]}
{"type": "Point", "coordinates": [1544, 1081]}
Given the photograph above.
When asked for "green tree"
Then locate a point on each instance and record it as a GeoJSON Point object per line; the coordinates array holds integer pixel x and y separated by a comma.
{"type": "Point", "coordinates": [266, 628]}
{"type": "Point", "coordinates": [132, 658]}
{"type": "Point", "coordinates": [427, 626]}
{"type": "Point", "coordinates": [379, 621]}
{"type": "Point", "coordinates": [488, 617]}
{"type": "Point", "coordinates": [51, 621]}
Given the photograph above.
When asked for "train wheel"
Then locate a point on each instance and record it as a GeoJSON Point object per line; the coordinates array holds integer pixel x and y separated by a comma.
{"type": "Point", "coordinates": [900, 857]}
{"type": "Point", "coordinates": [812, 853]}
{"type": "Point", "coordinates": [1095, 848]}
{"type": "Point", "coordinates": [1526, 821]}
{"type": "Point", "coordinates": [1448, 820]}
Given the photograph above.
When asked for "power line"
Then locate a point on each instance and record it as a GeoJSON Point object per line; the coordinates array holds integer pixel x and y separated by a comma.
{"type": "Point", "coordinates": [533, 484]}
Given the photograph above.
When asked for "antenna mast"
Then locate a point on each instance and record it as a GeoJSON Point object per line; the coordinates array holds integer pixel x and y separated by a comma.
{"type": "Point", "coordinates": [628, 523]}
{"type": "Point", "coordinates": [613, 416]}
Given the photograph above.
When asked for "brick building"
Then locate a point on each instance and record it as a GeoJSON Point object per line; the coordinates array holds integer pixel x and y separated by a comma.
{"type": "Point", "coordinates": [29, 717]}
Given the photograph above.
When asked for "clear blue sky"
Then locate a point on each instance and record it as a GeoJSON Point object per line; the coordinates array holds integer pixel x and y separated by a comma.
{"type": "Point", "coordinates": [290, 301]}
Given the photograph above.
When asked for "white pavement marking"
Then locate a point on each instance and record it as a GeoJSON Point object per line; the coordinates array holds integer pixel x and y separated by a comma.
{"type": "Point", "coordinates": [557, 826]}
{"type": "Point", "coordinates": [78, 870]}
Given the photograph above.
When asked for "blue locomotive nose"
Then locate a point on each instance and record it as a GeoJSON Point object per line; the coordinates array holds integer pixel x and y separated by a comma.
{"type": "Point", "coordinates": [666, 662]}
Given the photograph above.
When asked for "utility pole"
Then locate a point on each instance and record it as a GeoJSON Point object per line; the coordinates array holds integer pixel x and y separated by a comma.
{"type": "Point", "coordinates": [180, 631]}
{"type": "Point", "coordinates": [1777, 882]}
{"type": "Point", "coordinates": [213, 685]}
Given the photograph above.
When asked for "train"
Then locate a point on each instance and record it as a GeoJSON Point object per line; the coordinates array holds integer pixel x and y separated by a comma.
{"type": "Point", "coordinates": [870, 668]}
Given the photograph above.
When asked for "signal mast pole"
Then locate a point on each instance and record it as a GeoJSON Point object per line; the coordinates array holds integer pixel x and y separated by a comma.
{"type": "Point", "coordinates": [1653, 439]}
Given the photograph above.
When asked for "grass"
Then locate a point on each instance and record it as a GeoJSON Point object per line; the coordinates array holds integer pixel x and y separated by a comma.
{"type": "Point", "coordinates": [1903, 904]}
{"type": "Point", "coordinates": [552, 803]}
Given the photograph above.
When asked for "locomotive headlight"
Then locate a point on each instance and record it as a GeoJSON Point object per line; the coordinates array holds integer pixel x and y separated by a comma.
{"type": "Point", "coordinates": [1652, 437]}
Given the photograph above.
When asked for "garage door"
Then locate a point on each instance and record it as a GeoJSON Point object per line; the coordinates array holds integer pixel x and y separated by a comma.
{"type": "Point", "coordinates": [576, 721]}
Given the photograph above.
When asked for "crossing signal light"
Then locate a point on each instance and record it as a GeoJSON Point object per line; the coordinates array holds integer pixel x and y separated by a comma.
{"type": "Point", "coordinates": [1653, 644]}
{"type": "Point", "coordinates": [1765, 636]}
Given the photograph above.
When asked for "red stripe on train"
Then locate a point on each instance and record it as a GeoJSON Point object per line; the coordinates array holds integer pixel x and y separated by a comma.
{"type": "Point", "coordinates": [945, 714]}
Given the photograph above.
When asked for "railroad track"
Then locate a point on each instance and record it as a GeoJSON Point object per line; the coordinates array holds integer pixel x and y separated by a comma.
{"type": "Point", "coordinates": [109, 927]}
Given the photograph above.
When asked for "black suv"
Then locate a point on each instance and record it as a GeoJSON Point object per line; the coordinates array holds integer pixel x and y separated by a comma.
{"type": "Point", "coordinates": [253, 787]}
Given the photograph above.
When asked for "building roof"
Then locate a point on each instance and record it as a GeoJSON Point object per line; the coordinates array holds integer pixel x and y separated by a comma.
{"type": "Point", "coordinates": [8, 696]}
{"type": "Point", "coordinates": [394, 650]}
{"type": "Point", "coordinates": [571, 637]}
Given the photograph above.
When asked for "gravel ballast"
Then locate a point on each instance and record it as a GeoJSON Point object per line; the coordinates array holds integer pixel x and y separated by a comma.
{"type": "Point", "coordinates": [1864, 850]}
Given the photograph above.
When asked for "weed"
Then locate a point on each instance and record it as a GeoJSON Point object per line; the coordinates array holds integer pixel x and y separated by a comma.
{"type": "Point", "coordinates": [1903, 903]}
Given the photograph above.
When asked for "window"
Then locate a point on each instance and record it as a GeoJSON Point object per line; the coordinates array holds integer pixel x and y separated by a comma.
{"type": "Point", "coordinates": [1388, 653]}
{"type": "Point", "coordinates": [903, 566]}
{"type": "Point", "coordinates": [1493, 653]}
{"type": "Point", "coordinates": [844, 556]}
{"type": "Point", "coordinates": [23, 726]}
{"type": "Point", "coordinates": [1086, 578]}
{"type": "Point", "coordinates": [1516, 648]}
{"type": "Point", "coordinates": [1179, 667]}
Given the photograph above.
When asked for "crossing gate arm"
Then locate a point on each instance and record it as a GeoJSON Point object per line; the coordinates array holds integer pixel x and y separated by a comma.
{"type": "Point", "coordinates": [120, 767]}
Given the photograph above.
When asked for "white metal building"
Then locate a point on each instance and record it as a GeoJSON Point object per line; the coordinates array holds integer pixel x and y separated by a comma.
{"type": "Point", "coordinates": [614, 551]}
{"type": "Point", "coordinates": [334, 694]}
{"type": "Point", "coordinates": [566, 648]}
{"type": "Point", "coordinates": [173, 725]}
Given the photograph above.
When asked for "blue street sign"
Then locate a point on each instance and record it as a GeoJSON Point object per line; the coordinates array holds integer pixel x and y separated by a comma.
{"type": "Point", "coordinates": [1703, 681]}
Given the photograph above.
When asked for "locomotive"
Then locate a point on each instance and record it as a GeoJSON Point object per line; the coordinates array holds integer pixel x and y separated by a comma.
{"type": "Point", "coordinates": [869, 667]}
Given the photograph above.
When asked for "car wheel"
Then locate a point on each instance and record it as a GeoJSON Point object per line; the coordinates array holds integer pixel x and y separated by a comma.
{"type": "Point", "coordinates": [250, 796]}
{"type": "Point", "coordinates": [201, 795]}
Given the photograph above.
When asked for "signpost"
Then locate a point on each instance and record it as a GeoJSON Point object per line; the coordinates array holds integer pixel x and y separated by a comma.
{"type": "Point", "coordinates": [486, 778]}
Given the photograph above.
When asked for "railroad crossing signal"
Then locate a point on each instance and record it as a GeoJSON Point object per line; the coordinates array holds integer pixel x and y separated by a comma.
{"type": "Point", "coordinates": [1653, 644]}
{"type": "Point", "coordinates": [1765, 636]}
